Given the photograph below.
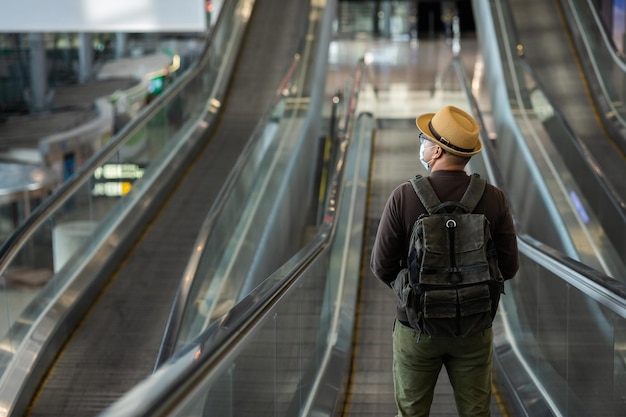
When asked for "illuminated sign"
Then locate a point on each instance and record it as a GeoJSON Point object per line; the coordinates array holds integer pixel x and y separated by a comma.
{"type": "Point", "coordinates": [115, 180]}
{"type": "Point", "coordinates": [118, 172]}
{"type": "Point", "coordinates": [111, 189]}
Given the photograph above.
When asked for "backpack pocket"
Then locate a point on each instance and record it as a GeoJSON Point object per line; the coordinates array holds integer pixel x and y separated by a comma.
{"type": "Point", "coordinates": [401, 287]}
{"type": "Point", "coordinates": [440, 304]}
{"type": "Point", "coordinates": [457, 311]}
{"type": "Point", "coordinates": [461, 302]}
{"type": "Point", "coordinates": [475, 299]}
{"type": "Point", "coordinates": [408, 300]}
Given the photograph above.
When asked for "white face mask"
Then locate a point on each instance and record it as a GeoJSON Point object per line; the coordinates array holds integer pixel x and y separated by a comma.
{"type": "Point", "coordinates": [424, 163]}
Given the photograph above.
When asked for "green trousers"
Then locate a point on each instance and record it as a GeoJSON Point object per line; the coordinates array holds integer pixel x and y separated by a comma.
{"type": "Point", "coordinates": [416, 366]}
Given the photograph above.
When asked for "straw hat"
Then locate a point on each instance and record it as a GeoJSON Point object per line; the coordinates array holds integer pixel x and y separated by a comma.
{"type": "Point", "coordinates": [452, 129]}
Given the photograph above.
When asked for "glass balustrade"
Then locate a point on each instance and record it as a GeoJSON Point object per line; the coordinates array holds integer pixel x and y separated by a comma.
{"type": "Point", "coordinates": [72, 224]}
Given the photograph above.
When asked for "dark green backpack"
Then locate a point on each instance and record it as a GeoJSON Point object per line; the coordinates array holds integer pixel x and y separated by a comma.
{"type": "Point", "coordinates": [451, 285]}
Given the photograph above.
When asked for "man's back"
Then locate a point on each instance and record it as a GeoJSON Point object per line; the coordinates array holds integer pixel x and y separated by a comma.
{"type": "Point", "coordinates": [448, 139]}
{"type": "Point", "coordinates": [405, 208]}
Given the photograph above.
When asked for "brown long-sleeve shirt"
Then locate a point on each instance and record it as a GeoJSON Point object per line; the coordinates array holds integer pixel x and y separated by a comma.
{"type": "Point", "coordinates": [404, 207]}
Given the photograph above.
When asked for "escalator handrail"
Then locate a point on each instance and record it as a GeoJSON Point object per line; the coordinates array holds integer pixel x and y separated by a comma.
{"type": "Point", "coordinates": [618, 59]}
{"type": "Point", "coordinates": [602, 288]}
{"type": "Point", "coordinates": [21, 235]}
{"type": "Point", "coordinates": [613, 202]}
{"type": "Point", "coordinates": [42, 328]}
{"type": "Point", "coordinates": [613, 198]}
{"type": "Point", "coordinates": [202, 358]}
{"type": "Point", "coordinates": [182, 297]}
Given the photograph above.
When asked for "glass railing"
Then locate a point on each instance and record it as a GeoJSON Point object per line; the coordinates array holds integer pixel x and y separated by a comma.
{"type": "Point", "coordinates": [293, 329]}
{"type": "Point", "coordinates": [266, 211]}
{"type": "Point", "coordinates": [573, 210]}
{"type": "Point", "coordinates": [562, 321]}
{"type": "Point", "coordinates": [226, 246]}
{"type": "Point", "coordinates": [106, 201]}
{"type": "Point", "coordinates": [566, 325]}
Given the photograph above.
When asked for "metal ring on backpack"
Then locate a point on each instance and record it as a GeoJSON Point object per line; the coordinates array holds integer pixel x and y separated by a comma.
{"type": "Point", "coordinates": [450, 223]}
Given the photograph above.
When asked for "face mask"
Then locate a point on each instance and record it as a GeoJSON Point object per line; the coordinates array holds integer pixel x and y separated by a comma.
{"type": "Point", "coordinates": [424, 163]}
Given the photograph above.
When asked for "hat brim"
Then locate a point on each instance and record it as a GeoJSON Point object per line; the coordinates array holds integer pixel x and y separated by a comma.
{"type": "Point", "coordinates": [422, 123]}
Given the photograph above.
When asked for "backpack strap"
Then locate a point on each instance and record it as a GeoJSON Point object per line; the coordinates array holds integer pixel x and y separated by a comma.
{"type": "Point", "coordinates": [474, 192]}
{"type": "Point", "coordinates": [431, 202]}
{"type": "Point", "coordinates": [425, 193]}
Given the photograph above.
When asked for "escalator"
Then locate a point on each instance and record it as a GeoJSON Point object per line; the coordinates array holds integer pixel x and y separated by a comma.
{"type": "Point", "coordinates": [311, 339]}
{"type": "Point", "coordinates": [120, 328]}
{"type": "Point", "coordinates": [291, 346]}
{"type": "Point", "coordinates": [566, 62]}
{"type": "Point", "coordinates": [116, 345]}
{"type": "Point", "coordinates": [563, 315]}
{"type": "Point", "coordinates": [288, 345]}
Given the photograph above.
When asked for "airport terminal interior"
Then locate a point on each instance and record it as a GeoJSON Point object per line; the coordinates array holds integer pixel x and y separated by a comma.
{"type": "Point", "coordinates": [187, 216]}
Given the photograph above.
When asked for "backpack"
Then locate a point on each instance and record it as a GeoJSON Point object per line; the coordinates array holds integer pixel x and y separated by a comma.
{"type": "Point", "coordinates": [451, 284]}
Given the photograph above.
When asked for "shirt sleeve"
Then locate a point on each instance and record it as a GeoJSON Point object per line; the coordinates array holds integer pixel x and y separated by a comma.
{"type": "Point", "coordinates": [388, 250]}
{"type": "Point", "coordinates": [505, 241]}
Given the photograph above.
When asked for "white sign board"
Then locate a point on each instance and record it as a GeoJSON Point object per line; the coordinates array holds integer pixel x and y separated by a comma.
{"type": "Point", "coordinates": [102, 16]}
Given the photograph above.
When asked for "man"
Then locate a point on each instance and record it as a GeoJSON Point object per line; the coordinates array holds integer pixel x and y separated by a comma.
{"type": "Point", "coordinates": [448, 139]}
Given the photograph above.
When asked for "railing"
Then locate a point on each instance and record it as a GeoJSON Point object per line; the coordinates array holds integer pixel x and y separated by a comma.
{"type": "Point", "coordinates": [200, 291]}
{"type": "Point", "coordinates": [295, 325]}
{"type": "Point", "coordinates": [565, 330]}
{"type": "Point", "coordinates": [94, 214]}
{"type": "Point", "coordinates": [587, 221]}
{"type": "Point", "coordinates": [264, 213]}
{"type": "Point", "coordinates": [562, 321]}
